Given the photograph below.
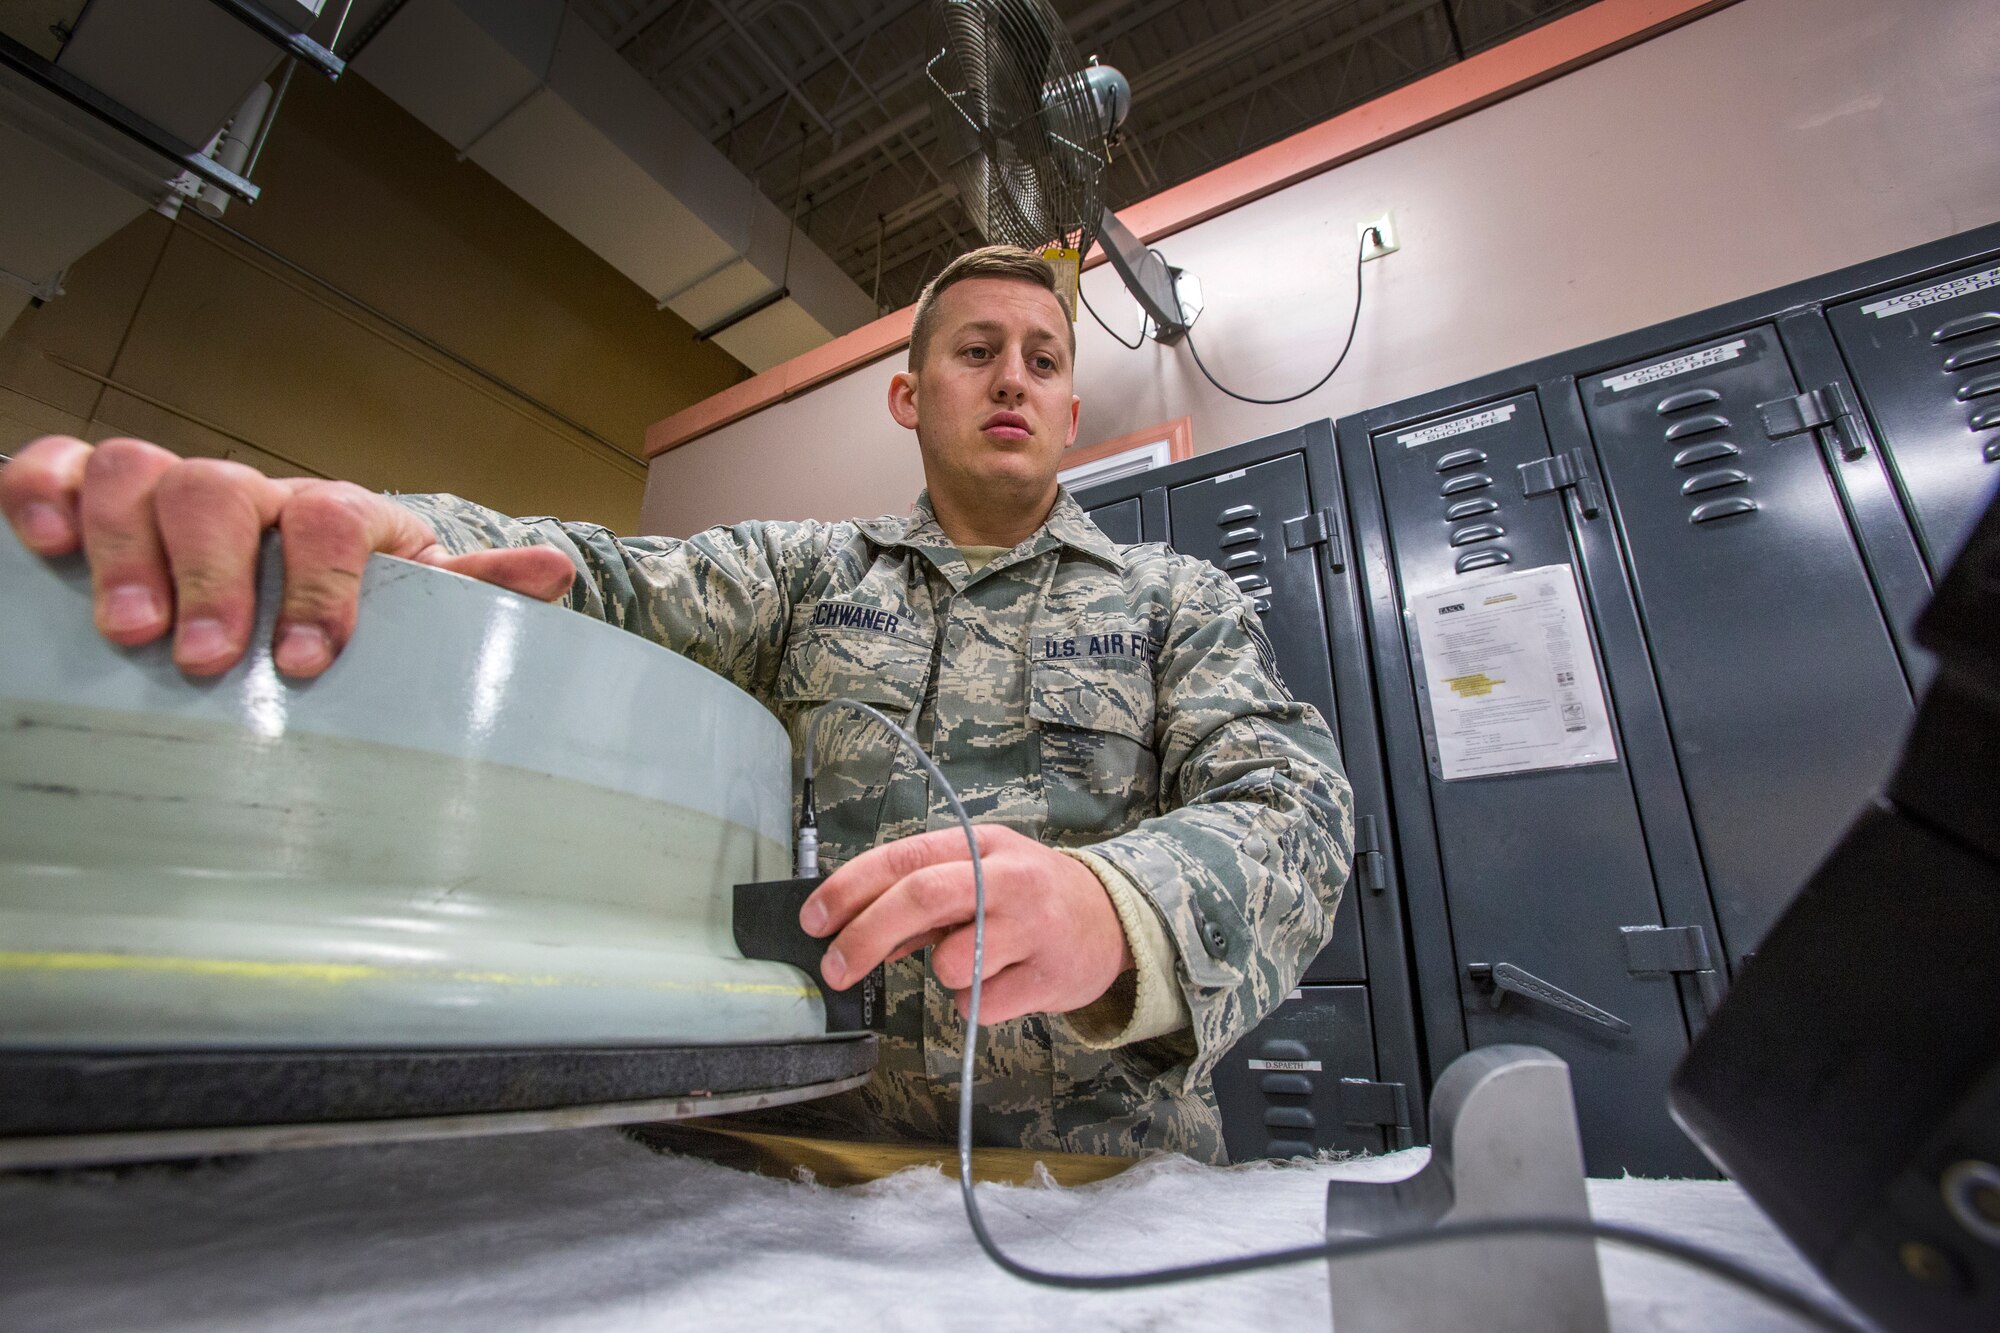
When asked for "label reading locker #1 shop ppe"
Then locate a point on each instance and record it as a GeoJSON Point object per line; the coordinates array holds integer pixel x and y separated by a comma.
{"type": "Point", "coordinates": [1444, 430]}
{"type": "Point", "coordinates": [1511, 676]}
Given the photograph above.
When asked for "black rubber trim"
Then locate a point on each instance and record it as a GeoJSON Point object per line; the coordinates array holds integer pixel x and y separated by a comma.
{"type": "Point", "coordinates": [45, 1092]}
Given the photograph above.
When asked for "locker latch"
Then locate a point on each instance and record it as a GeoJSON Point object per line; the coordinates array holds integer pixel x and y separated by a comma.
{"type": "Point", "coordinates": [1562, 472]}
{"type": "Point", "coordinates": [1371, 870]}
{"type": "Point", "coordinates": [1315, 529]}
{"type": "Point", "coordinates": [1674, 949]}
{"type": "Point", "coordinates": [1507, 979]}
{"type": "Point", "coordinates": [1364, 1102]}
{"type": "Point", "coordinates": [1824, 407]}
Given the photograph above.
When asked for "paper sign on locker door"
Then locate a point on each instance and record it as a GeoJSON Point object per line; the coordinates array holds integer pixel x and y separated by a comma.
{"type": "Point", "coordinates": [1511, 677]}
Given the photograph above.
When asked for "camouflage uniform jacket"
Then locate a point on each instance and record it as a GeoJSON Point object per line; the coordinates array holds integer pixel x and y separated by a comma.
{"type": "Point", "coordinates": [1082, 693]}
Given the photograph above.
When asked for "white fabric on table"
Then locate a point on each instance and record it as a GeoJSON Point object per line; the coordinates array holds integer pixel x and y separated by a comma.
{"type": "Point", "coordinates": [590, 1230]}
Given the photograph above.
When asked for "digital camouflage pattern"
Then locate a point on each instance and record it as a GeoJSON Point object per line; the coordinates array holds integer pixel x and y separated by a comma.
{"type": "Point", "coordinates": [1082, 693]}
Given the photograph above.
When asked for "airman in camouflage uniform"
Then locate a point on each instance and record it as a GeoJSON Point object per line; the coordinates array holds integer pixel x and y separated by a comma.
{"type": "Point", "coordinates": [1118, 704]}
{"type": "Point", "coordinates": [1079, 692]}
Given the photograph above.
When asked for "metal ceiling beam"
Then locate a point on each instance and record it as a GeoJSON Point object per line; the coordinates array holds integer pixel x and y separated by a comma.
{"type": "Point", "coordinates": [770, 62]}
{"type": "Point", "coordinates": [881, 19]}
{"type": "Point", "coordinates": [702, 44]}
{"type": "Point", "coordinates": [635, 27]}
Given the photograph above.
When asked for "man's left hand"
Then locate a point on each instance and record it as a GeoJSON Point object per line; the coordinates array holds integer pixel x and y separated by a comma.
{"type": "Point", "coordinates": [1053, 940]}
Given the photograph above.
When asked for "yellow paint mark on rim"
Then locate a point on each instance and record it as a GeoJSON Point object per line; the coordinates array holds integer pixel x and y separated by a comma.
{"type": "Point", "coordinates": [243, 969]}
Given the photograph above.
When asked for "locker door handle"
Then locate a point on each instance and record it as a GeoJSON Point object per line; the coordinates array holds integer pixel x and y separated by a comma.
{"type": "Point", "coordinates": [1826, 408]}
{"type": "Point", "coordinates": [1505, 978]}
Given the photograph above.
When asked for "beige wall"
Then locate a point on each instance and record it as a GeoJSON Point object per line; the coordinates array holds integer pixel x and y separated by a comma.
{"type": "Point", "coordinates": [1769, 142]}
{"type": "Point", "coordinates": [181, 333]}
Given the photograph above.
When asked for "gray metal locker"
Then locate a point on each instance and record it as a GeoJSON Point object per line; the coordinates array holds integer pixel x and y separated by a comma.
{"type": "Point", "coordinates": [1270, 513]}
{"type": "Point", "coordinates": [1304, 1079]}
{"type": "Point", "coordinates": [1545, 874]}
{"type": "Point", "coordinates": [1251, 522]}
{"type": "Point", "coordinates": [1926, 360]}
{"type": "Point", "coordinates": [1784, 695]}
{"type": "Point", "coordinates": [1119, 521]}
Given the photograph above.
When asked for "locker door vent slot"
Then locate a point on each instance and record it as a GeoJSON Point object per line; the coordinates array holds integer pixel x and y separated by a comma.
{"type": "Point", "coordinates": [1975, 355]}
{"type": "Point", "coordinates": [1244, 559]}
{"type": "Point", "coordinates": [1715, 509]}
{"type": "Point", "coordinates": [1471, 481]}
{"type": "Point", "coordinates": [1290, 1117]}
{"type": "Point", "coordinates": [1687, 398]}
{"type": "Point", "coordinates": [1986, 420]}
{"type": "Point", "coordinates": [1705, 453]}
{"type": "Point", "coordinates": [1978, 388]}
{"type": "Point", "coordinates": [1235, 513]}
{"type": "Point", "coordinates": [1472, 560]}
{"type": "Point", "coordinates": [1978, 322]}
{"type": "Point", "coordinates": [1465, 509]}
{"type": "Point", "coordinates": [1477, 532]}
{"type": "Point", "coordinates": [1240, 536]}
{"type": "Point", "coordinates": [1700, 425]}
{"type": "Point", "coordinates": [1714, 481]}
{"type": "Point", "coordinates": [1458, 458]}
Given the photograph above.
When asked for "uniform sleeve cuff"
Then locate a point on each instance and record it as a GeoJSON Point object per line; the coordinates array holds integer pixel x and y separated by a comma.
{"type": "Point", "coordinates": [1145, 1002]}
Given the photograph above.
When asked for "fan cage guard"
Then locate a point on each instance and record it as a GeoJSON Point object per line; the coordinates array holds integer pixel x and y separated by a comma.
{"type": "Point", "coordinates": [1020, 132]}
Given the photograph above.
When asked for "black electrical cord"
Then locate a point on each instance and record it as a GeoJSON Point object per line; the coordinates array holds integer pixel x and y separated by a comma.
{"type": "Point", "coordinates": [1085, 298]}
{"type": "Point", "coordinates": [1346, 347]}
{"type": "Point", "coordinates": [1774, 1290]}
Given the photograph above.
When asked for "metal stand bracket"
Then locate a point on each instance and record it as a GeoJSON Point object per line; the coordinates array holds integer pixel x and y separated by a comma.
{"type": "Point", "coordinates": [1504, 1143]}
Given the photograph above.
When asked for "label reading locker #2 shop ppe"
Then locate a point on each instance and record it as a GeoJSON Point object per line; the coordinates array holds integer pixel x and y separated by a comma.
{"type": "Point", "coordinates": [1680, 365]}
{"type": "Point", "coordinates": [1511, 676]}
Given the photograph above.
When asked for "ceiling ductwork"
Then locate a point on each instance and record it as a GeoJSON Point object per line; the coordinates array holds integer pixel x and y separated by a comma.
{"type": "Point", "coordinates": [105, 109]}
{"type": "Point", "coordinates": [528, 91]}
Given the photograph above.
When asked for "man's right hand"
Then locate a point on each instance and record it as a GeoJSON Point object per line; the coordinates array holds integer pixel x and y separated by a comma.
{"type": "Point", "coordinates": [172, 544]}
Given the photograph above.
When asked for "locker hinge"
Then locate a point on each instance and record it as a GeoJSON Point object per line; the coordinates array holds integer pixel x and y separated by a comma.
{"type": "Point", "coordinates": [1826, 407]}
{"type": "Point", "coordinates": [1371, 871]}
{"type": "Point", "coordinates": [1364, 1103]}
{"type": "Point", "coordinates": [1316, 529]}
{"type": "Point", "coordinates": [1650, 949]}
{"type": "Point", "coordinates": [1562, 472]}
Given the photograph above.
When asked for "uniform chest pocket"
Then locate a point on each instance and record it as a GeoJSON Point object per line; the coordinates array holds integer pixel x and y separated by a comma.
{"type": "Point", "coordinates": [1094, 719]}
{"type": "Point", "coordinates": [855, 755]}
{"type": "Point", "coordinates": [885, 670]}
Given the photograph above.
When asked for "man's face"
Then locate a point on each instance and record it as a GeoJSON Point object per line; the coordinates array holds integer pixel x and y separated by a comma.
{"type": "Point", "coordinates": [992, 402]}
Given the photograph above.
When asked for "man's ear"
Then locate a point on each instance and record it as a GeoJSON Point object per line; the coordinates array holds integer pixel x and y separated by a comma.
{"type": "Point", "coordinates": [903, 398]}
{"type": "Point", "coordinates": [1075, 412]}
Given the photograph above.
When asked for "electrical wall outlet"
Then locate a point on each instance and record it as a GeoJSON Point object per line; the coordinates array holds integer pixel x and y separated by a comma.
{"type": "Point", "coordinates": [1382, 242]}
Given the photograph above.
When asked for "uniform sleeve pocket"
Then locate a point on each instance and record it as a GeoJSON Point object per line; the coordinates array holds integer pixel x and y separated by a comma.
{"type": "Point", "coordinates": [1094, 723]}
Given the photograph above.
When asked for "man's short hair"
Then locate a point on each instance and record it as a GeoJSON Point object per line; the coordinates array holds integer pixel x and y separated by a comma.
{"type": "Point", "coordinates": [991, 261]}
